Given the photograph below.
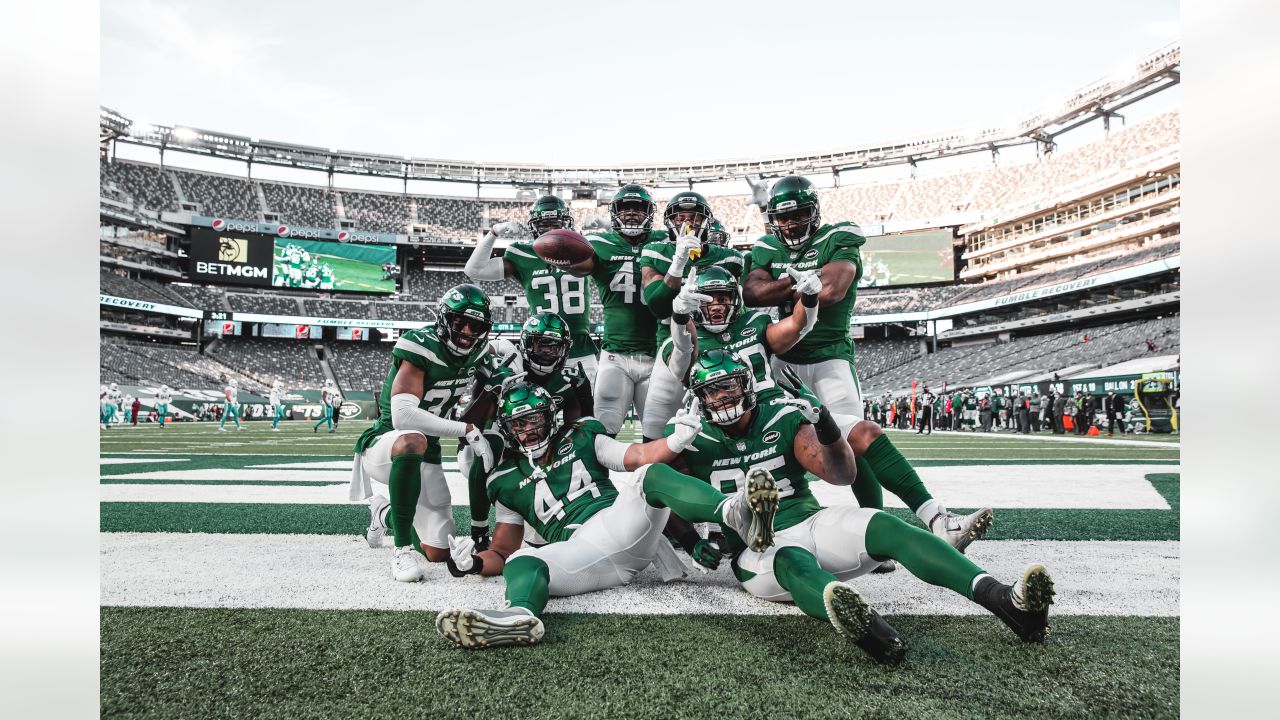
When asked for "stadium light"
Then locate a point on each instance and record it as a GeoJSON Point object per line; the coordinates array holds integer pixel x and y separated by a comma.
{"type": "Point", "coordinates": [183, 134]}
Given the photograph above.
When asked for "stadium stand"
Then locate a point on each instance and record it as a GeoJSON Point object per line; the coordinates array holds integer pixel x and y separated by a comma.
{"type": "Point", "coordinates": [300, 205]}
{"type": "Point", "coordinates": [118, 285]}
{"type": "Point", "coordinates": [376, 212]}
{"type": "Point", "coordinates": [265, 359]}
{"type": "Point", "coordinates": [264, 304]}
{"type": "Point", "coordinates": [961, 365]}
{"type": "Point", "coordinates": [144, 185]}
{"type": "Point", "coordinates": [338, 308]}
{"type": "Point", "coordinates": [359, 365]}
{"type": "Point", "coordinates": [203, 297]}
{"type": "Point", "coordinates": [151, 364]}
{"type": "Point", "coordinates": [404, 311]}
{"type": "Point", "coordinates": [220, 195]}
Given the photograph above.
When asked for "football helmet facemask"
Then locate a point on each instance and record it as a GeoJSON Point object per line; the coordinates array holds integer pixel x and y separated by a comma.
{"type": "Point", "coordinates": [527, 419]}
{"type": "Point", "coordinates": [792, 214]}
{"type": "Point", "coordinates": [545, 340]}
{"type": "Point", "coordinates": [724, 385]}
{"type": "Point", "coordinates": [631, 212]}
{"type": "Point", "coordinates": [464, 319]}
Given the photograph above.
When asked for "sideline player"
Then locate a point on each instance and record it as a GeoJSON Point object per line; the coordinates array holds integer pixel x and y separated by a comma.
{"type": "Point", "coordinates": [104, 407]}
{"type": "Point", "coordinates": [163, 397]}
{"type": "Point", "coordinates": [597, 535]}
{"type": "Point", "coordinates": [816, 548]}
{"type": "Point", "coordinates": [663, 266]}
{"type": "Point", "coordinates": [326, 407]}
{"type": "Point", "coordinates": [230, 405]}
{"type": "Point", "coordinates": [546, 288]}
{"type": "Point", "coordinates": [431, 369]}
{"type": "Point", "coordinates": [277, 405]}
{"type": "Point", "coordinates": [630, 329]}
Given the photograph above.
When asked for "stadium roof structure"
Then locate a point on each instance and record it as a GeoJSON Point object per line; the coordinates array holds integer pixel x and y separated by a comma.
{"type": "Point", "coordinates": [1103, 98]}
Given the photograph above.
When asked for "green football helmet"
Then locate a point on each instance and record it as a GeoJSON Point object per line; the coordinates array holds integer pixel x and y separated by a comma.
{"type": "Point", "coordinates": [631, 212]}
{"type": "Point", "coordinates": [549, 213]}
{"type": "Point", "coordinates": [717, 235]}
{"type": "Point", "coordinates": [545, 339]}
{"type": "Point", "coordinates": [725, 386]}
{"type": "Point", "coordinates": [527, 419]}
{"type": "Point", "coordinates": [687, 208]}
{"type": "Point", "coordinates": [792, 214]}
{"type": "Point", "coordinates": [463, 319]}
{"type": "Point", "coordinates": [718, 313]}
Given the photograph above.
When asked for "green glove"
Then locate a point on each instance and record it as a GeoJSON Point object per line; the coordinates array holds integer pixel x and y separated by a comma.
{"type": "Point", "coordinates": [706, 554]}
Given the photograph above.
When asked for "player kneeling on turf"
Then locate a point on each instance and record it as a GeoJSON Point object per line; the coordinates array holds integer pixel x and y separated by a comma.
{"type": "Point", "coordinates": [816, 548]}
{"type": "Point", "coordinates": [597, 535]}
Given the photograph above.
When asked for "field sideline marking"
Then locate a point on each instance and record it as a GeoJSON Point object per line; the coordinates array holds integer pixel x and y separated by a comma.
{"type": "Point", "coordinates": [342, 572]}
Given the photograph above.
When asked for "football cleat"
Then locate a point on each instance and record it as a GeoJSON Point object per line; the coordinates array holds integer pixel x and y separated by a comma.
{"type": "Point", "coordinates": [762, 500]}
{"type": "Point", "coordinates": [961, 530]}
{"type": "Point", "coordinates": [404, 566]}
{"type": "Point", "coordinates": [477, 629]}
{"type": "Point", "coordinates": [885, 567]}
{"type": "Point", "coordinates": [1024, 606]}
{"type": "Point", "coordinates": [377, 529]}
{"type": "Point", "coordinates": [853, 618]}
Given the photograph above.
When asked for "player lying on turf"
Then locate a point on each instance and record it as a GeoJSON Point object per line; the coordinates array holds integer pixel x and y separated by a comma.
{"type": "Point", "coordinates": [430, 370]}
{"type": "Point", "coordinates": [713, 301]}
{"type": "Point", "coordinates": [816, 548]}
{"type": "Point", "coordinates": [592, 535]}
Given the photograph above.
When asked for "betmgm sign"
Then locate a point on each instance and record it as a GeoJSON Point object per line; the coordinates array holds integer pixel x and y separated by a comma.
{"type": "Point", "coordinates": [239, 258]}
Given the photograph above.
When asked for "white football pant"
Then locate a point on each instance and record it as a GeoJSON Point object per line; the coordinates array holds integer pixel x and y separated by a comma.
{"type": "Point", "coordinates": [433, 518]}
{"type": "Point", "coordinates": [836, 536]}
{"type": "Point", "coordinates": [622, 381]}
{"type": "Point", "coordinates": [666, 395]}
{"type": "Point", "coordinates": [835, 382]}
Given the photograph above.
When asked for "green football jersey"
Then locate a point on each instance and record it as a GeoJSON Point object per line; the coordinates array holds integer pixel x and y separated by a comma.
{"type": "Point", "coordinates": [657, 255]}
{"type": "Point", "coordinates": [560, 385]}
{"type": "Point", "coordinates": [447, 379]}
{"type": "Point", "coordinates": [629, 327]}
{"type": "Point", "coordinates": [724, 460]}
{"type": "Point", "coordinates": [745, 338]}
{"type": "Point", "coordinates": [830, 338]}
{"type": "Point", "coordinates": [550, 289]}
{"type": "Point", "coordinates": [553, 499]}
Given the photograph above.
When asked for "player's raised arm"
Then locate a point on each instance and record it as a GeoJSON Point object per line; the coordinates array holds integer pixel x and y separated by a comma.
{"type": "Point", "coordinates": [820, 447]}
{"type": "Point", "coordinates": [684, 341]}
{"type": "Point", "coordinates": [627, 457]}
{"type": "Point", "coordinates": [481, 265]}
{"type": "Point", "coordinates": [784, 334]}
{"type": "Point", "coordinates": [759, 289]}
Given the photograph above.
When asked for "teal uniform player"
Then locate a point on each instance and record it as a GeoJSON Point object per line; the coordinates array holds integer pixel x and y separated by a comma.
{"type": "Point", "coordinates": [230, 405]}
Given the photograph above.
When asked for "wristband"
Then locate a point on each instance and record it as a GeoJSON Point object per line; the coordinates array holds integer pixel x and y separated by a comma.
{"type": "Point", "coordinates": [679, 319]}
{"type": "Point", "coordinates": [826, 428]}
{"type": "Point", "coordinates": [809, 301]}
{"type": "Point", "coordinates": [689, 540]}
{"type": "Point", "coordinates": [479, 524]}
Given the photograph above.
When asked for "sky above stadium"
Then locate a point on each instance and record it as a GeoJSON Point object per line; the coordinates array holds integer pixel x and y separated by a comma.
{"type": "Point", "coordinates": [599, 83]}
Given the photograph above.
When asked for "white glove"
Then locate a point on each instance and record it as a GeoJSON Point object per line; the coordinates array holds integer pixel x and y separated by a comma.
{"type": "Point", "coordinates": [685, 244]}
{"type": "Point", "coordinates": [759, 193]}
{"type": "Point", "coordinates": [460, 550]}
{"type": "Point", "coordinates": [688, 301]}
{"type": "Point", "coordinates": [480, 446]}
{"type": "Point", "coordinates": [807, 282]}
{"type": "Point", "coordinates": [509, 229]}
{"type": "Point", "coordinates": [687, 424]}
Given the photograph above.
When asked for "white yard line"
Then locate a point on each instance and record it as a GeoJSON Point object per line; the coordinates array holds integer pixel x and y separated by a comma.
{"type": "Point", "coordinates": [342, 572]}
{"type": "Point", "coordinates": [135, 461]}
{"type": "Point", "coordinates": [1004, 486]}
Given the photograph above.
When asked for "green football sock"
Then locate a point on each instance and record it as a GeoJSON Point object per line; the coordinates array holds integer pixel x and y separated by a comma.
{"type": "Point", "coordinates": [405, 484]}
{"type": "Point", "coordinates": [866, 488]}
{"type": "Point", "coordinates": [797, 571]}
{"type": "Point", "coordinates": [687, 496]}
{"type": "Point", "coordinates": [895, 474]}
{"type": "Point", "coordinates": [528, 580]}
{"type": "Point", "coordinates": [922, 553]}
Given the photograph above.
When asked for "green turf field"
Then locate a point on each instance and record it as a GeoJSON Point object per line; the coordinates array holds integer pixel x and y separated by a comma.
{"type": "Point", "coordinates": [235, 584]}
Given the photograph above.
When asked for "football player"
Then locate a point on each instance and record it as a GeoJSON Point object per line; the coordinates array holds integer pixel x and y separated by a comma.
{"type": "Point", "coordinates": [326, 277]}
{"type": "Point", "coordinates": [712, 301]}
{"type": "Point", "coordinates": [277, 405]}
{"type": "Point", "coordinates": [630, 329]}
{"type": "Point", "coordinates": [546, 288]}
{"type": "Point", "coordinates": [663, 266]}
{"type": "Point", "coordinates": [594, 534]}
{"type": "Point", "coordinates": [431, 369]}
{"type": "Point", "coordinates": [230, 405]}
{"type": "Point", "coordinates": [104, 407]}
{"type": "Point", "coordinates": [814, 548]}
{"type": "Point", "coordinates": [163, 398]}
{"type": "Point", "coordinates": [127, 405]}
{"type": "Point", "coordinates": [545, 343]}
{"type": "Point", "coordinates": [326, 407]}
{"type": "Point", "coordinates": [114, 401]}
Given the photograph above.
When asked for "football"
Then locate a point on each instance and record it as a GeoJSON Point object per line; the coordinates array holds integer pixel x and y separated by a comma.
{"type": "Point", "coordinates": [563, 248]}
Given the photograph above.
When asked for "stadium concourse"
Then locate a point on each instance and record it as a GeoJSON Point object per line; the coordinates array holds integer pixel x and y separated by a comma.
{"type": "Point", "coordinates": [233, 566]}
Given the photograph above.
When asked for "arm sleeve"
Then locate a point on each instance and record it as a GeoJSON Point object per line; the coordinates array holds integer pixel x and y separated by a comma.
{"type": "Point", "coordinates": [586, 401]}
{"type": "Point", "coordinates": [477, 487]}
{"type": "Point", "coordinates": [658, 296]}
{"type": "Point", "coordinates": [610, 452]}
{"type": "Point", "coordinates": [406, 415]}
{"type": "Point", "coordinates": [681, 349]}
{"type": "Point", "coordinates": [482, 267]}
